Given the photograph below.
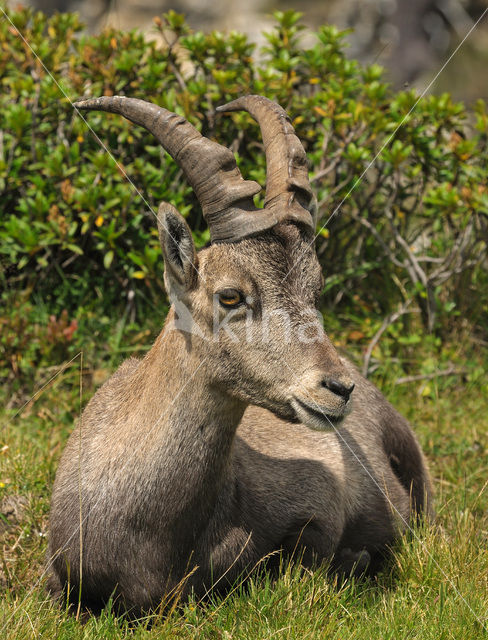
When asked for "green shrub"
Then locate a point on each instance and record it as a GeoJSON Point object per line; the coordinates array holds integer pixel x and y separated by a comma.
{"type": "Point", "coordinates": [24, 341]}
{"type": "Point", "coordinates": [401, 180]}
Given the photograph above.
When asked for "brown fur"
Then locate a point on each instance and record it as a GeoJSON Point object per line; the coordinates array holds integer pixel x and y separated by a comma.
{"type": "Point", "coordinates": [194, 461]}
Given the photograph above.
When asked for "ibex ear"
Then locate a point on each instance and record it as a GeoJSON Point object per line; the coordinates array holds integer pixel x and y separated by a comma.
{"type": "Point", "coordinates": [180, 257]}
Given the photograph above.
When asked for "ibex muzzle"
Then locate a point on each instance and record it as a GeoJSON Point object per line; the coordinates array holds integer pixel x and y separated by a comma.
{"type": "Point", "coordinates": [189, 466]}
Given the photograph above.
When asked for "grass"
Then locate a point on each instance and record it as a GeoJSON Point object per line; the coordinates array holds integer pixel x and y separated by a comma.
{"type": "Point", "coordinates": [435, 587]}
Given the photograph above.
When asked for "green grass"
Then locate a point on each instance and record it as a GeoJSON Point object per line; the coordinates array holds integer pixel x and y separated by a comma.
{"type": "Point", "coordinates": [435, 587]}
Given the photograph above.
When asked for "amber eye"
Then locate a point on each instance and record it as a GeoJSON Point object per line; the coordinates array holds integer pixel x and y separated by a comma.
{"type": "Point", "coordinates": [230, 298]}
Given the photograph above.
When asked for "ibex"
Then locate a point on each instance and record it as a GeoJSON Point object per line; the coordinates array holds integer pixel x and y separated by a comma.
{"type": "Point", "coordinates": [222, 446]}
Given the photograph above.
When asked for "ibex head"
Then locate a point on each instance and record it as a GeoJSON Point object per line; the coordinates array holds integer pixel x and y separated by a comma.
{"type": "Point", "coordinates": [247, 303]}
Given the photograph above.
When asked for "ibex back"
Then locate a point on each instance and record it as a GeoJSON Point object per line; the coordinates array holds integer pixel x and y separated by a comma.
{"type": "Point", "coordinates": [242, 431]}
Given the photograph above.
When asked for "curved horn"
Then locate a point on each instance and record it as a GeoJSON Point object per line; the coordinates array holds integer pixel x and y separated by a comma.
{"type": "Point", "coordinates": [288, 192]}
{"type": "Point", "coordinates": [226, 198]}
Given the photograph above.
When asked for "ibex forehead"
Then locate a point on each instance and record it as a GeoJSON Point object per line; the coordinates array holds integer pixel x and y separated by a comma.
{"type": "Point", "coordinates": [280, 257]}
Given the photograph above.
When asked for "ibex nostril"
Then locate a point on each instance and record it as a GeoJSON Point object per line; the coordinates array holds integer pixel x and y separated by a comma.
{"type": "Point", "coordinates": [339, 388]}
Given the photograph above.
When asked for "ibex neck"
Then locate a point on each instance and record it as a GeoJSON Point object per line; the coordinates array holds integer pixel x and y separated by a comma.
{"type": "Point", "coordinates": [190, 427]}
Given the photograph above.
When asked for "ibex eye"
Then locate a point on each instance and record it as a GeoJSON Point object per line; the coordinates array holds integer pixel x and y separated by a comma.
{"type": "Point", "coordinates": [230, 298]}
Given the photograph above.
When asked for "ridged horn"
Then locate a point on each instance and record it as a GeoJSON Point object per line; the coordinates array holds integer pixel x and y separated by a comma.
{"type": "Point", "coordinates": [289, 196]}
{"type": "Point", "coordinates": [210, 168]}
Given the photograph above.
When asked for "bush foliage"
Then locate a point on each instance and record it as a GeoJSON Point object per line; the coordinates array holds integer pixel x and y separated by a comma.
{"type": "Point", "coordinates": [400, 179]}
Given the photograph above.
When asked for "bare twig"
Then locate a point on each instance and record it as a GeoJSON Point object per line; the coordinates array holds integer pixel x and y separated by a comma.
{"type": "Point", "coordinates": [457, 250]}
{"type": "Point", "coordinates": [416, 272]}
{"type": "Point", "coordinates": [60, 133]}
{"type": "Point", "coordinates": [387, 322]}
{"type": "Point", "coordinates": [34, 112]}
{"type": "Point", "coordinates": [325, 144]}
{"type": "Point", "coordinates": [336, 189]}
{"type": "Point", "coordinates": [337, 155]}
{"type": "Point", "coordinates": [366, 223]}
{"type": "Point", "coordinates": [172, 56]}
{"type": "Point", "coordinates": [336, 158]}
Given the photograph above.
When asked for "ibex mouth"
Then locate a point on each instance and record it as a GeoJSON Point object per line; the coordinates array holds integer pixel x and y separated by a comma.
{"type": "Point", "coordinates": [315, 416]}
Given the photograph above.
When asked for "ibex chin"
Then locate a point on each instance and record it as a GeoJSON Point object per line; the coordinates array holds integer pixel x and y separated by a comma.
{"type": "Point", "coordinates": [221, 446]}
